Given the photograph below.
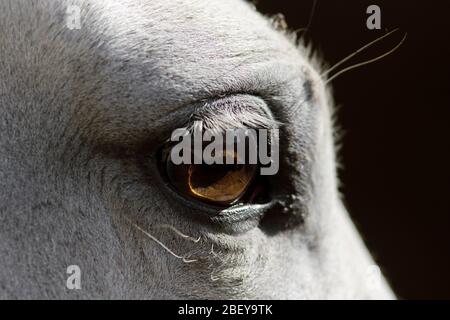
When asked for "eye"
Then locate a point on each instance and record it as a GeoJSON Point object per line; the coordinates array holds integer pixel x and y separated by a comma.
{"type": "Point", "coordinates": [217, 184]}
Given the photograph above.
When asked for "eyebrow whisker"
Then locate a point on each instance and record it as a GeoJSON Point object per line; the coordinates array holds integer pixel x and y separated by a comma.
{"type": "Point", "coordinates": [357, 52]}
{"type": "Point", "coordinates": [368, 61]}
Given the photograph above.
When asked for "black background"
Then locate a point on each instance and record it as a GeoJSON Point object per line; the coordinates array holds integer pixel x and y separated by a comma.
{"type": "Point", "coordinates": [395, 118]}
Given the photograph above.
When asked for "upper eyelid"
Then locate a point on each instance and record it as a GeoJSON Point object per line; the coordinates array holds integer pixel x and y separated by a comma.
{"type": "Point", "coordinates": [271, 102]}
{"type": "Point", "coordinates": [267, 82]}
{"type": "Point", "coordinates": [251, 111]}
{"type": "Point", "coordinates": [237, 111]}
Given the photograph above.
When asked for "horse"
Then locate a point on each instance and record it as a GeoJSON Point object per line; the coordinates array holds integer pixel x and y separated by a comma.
{"type": "Point", "coordinates": [90, 92]}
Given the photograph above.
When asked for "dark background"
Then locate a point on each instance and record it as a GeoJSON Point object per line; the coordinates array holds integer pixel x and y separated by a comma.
{"type": "Point", "coordinates": [395, 117]}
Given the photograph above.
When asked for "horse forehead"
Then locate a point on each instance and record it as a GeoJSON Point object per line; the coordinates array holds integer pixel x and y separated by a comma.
{"type": "Point", "coordinates": [154, 56]}
{"type": "Point", "coordinates": [185, 46]}
{"type": "Point", "coordinates": [194, 31]}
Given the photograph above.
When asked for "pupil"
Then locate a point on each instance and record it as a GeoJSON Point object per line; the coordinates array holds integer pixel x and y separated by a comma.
{"type": "Point", "coordinates": [222, 183]}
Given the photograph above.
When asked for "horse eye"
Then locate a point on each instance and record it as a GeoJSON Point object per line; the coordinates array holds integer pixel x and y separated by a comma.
{"type": "Point", "coordinates": [218, 184]}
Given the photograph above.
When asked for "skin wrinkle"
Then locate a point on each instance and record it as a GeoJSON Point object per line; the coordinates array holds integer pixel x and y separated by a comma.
{"type": "Point", "coordinates": [83, 113]}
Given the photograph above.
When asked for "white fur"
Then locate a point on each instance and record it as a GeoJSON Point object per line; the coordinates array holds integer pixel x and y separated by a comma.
{"type": "Point", "coordinates": [77, 107]}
